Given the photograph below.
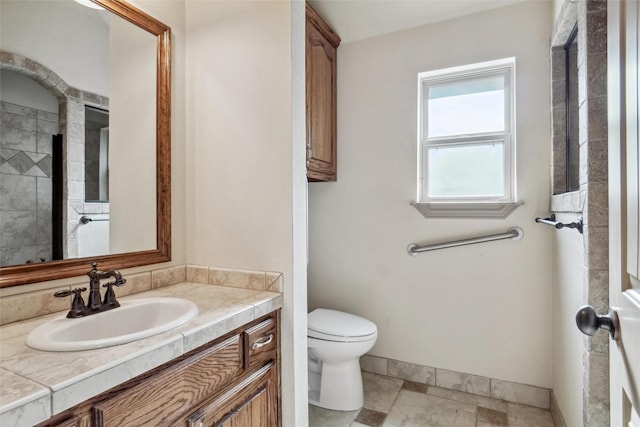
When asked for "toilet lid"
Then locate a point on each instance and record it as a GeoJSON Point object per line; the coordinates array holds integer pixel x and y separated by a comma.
{"type": "Point", "coordinates": [339, 324]}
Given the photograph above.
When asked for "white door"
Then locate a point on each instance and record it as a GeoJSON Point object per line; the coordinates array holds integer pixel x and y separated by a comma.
{"type": "Point", "coordinates": [624, 209]}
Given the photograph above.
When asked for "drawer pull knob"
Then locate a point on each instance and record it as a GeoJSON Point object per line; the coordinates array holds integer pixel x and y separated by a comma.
{"type": "Point", "coordinates": [256, 345]}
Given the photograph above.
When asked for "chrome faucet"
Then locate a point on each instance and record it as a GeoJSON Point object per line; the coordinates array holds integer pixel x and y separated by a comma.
{"type": "Point", "coordinates": [94, 303]}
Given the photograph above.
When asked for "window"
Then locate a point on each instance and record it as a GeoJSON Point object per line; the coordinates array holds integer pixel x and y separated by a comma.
{"type": "Point", "coordinates": [466, 146]}
{"type": "Point", "coordinates": [572, 146]}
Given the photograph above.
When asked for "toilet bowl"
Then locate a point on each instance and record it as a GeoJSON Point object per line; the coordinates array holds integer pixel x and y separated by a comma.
{"type": "Point", "coordinates": [335, 341]}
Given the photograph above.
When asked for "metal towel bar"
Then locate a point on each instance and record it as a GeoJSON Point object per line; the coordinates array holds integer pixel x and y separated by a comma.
{"type": "Point", "coordinates": [514, 233]}
{"type": "Point", "coordinates": [86, 220]}
{"type": "Point", "coordinates": [577, 224]}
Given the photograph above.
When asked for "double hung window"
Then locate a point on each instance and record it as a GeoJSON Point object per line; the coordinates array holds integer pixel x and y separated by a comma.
{"type": "Point", "coordinates": [466, 145]}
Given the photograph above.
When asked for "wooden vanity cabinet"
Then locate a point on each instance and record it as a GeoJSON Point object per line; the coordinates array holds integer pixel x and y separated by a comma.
{"type": "Point", "coordinates": [321, 75]}
{"type": "Point", "coordinates": [248, 403]}
{"type": "Point", "coordinates": [231, 382]}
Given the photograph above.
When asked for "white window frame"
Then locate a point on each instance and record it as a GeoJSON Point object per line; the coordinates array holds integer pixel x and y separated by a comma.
{"type": "Point", "coordinates": [469, 206]}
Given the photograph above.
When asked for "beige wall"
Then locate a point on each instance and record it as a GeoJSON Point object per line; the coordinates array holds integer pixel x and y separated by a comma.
{"type": "Point", "coordinates": [239, 133]}
{"type": "Point", "coordinates": [172, 13]}
{"type": "Point", "coordinates": [239, 168]}
{"type": "Point", "coordinates": [482, 309]}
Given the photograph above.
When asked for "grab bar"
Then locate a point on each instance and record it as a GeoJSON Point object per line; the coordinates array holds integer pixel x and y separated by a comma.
{"type": "Point", "coordinates": [514, 233]}
{"type": "Point", "coordinates": [86, 220]}
{"type": "Point", "coordinates": [577, 224]}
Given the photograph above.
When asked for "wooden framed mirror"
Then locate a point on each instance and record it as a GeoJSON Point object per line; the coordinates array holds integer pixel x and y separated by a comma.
{"type": "Point", "coordinates": [155, 218]}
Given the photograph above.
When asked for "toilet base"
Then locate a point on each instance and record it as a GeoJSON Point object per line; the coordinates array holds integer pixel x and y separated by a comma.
{"type": "Point", "coordinates": [340, 387]}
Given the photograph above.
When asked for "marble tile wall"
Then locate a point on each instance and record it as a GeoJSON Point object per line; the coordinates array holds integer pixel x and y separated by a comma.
{"type": "Point", "coordinates": [592, 199]}
{"type": "Point", "coordinates": [25, 183]}
{"type": "Point", "coordinates": [458, 381]}
{"type": "Point", "coordinates": [27, 305]}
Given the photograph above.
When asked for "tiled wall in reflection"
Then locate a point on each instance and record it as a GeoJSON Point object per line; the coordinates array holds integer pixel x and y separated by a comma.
{"type": "Point", "coordinates": [25, 183]}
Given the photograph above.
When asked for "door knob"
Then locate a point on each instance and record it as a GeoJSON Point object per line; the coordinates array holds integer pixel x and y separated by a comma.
{"type": "Point", "coordinates": [589, 321]}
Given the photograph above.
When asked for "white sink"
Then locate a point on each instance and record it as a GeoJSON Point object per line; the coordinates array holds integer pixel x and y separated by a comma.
{"type": "Point", "coordinates": [133, 320]}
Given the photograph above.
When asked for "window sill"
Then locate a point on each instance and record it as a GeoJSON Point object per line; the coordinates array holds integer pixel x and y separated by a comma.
{"type": "Point", "coordinates": [466, 209]}
{"type": "Point", "coordinates": [568, 202]}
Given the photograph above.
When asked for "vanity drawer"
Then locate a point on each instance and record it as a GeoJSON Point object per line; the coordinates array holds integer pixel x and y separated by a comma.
{"type": "Point", "coordinates": [260, 343]}
{"type": "Point", "coordinates": [161, 399]}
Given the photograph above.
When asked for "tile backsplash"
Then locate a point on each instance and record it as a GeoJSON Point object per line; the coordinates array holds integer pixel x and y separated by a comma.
{"type": "Point", "coordinates": [257, 280]}
{"type": "Point", "coordinates": [27, 305]}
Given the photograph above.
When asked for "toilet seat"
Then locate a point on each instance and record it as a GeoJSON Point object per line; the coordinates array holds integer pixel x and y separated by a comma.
{"type": "Point", "coordinates": [333, 325]}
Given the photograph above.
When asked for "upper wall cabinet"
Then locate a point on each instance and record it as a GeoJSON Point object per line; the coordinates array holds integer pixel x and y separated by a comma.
{"type": "Point", "coordinates": [321, 51]}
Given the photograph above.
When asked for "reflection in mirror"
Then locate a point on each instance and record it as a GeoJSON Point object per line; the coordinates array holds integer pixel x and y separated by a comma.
{"type": "Point", "coordinates": [29, 119]}
{"type": "Point", "coordinates": [96, 155]}
{"type": "Point", "coordinates": [84, 134]}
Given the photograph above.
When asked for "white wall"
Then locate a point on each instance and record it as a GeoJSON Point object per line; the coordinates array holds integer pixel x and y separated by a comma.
{"type": "Point", "coordinates": [568, 284]}
{"type": "Point", "coordinates": [69, 39]}
{"type": "Point", "coordinates": [240, 170]}
{"type": "Point", "coordinates": [557, 8]}
{"type": "Point", "coordinates": [21, 90]}
{"type": "Point", "coordinates": [568, 345]}
{"type": "Point", "coordinates": [482, 309]}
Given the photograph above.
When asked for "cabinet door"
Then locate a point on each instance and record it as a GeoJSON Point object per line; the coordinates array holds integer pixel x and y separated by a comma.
{"type": "Point", "coordinates": [251, 403]}
{"type": "Point", "coordinates": [163, 399]}
{"type": "Point", "coordinates": [321, 49]}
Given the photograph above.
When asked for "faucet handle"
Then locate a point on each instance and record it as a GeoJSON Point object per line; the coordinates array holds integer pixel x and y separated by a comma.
{"type": "Point", "coordinates": [110, 295]}
{"type": "Point", "coordinates": [77, 305]}
{"type": "Point", "coordinates": [62, 294]}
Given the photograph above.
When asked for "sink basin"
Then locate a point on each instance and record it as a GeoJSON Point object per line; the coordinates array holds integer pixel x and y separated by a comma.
{"type": "Point", "coordinates": [133, 320]}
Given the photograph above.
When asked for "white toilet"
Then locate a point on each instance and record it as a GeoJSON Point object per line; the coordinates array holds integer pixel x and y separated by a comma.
{"type": "Point", "coordinates": [336, 340]}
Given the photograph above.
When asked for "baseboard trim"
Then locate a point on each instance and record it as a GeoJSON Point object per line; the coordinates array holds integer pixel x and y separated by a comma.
{"type": "Point", "coordinates": [475, 384]}
{"type": "Point", "coordinates": [558, 419]}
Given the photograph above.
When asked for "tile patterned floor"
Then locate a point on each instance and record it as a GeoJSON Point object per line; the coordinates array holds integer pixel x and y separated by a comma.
{"type": "Point", "coordinates": [391, 402]}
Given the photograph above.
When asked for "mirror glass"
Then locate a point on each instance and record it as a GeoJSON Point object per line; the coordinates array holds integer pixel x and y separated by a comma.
{"type": "Point", "coordinates": [82, 149]}
{"type": "Point", "coordinates": [96, 155]}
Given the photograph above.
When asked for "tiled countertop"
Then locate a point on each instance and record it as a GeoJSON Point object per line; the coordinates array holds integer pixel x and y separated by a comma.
{"type": "Point", "coordinates": [35, 385]}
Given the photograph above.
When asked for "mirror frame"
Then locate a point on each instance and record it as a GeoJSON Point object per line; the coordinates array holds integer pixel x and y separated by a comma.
{"type": "Point", "coordinates": [32, 273]}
